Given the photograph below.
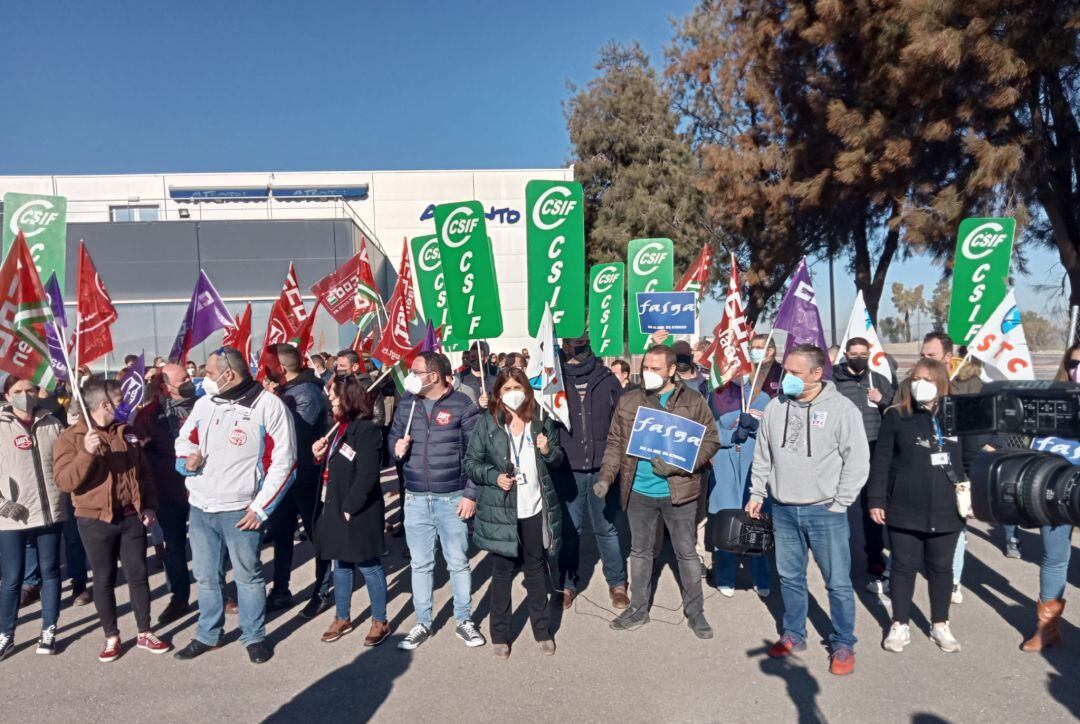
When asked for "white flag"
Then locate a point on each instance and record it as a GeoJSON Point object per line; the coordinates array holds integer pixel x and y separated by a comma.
{"type": "Point", "coordinates": [545, 373]}
{"type": "Point", "coordinates": [859, 325]}
{"type": "Point", "coordinates": [1001, 346]}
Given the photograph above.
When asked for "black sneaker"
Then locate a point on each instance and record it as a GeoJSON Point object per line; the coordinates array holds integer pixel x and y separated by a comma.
{"type": "Point", "coordinates": [698, 624]}
{"type": "Point", "coordinates": [193, 649]}
{"type": "Point", "coordinates": [278, 601]}
{"type": "Point", "coordinates": [7, 643]}
{"type": "Point", "coordinates": [467, 632]}
{"type": "Point", "coordinates": [630, 619]}
{"type": "Point", "coordinates": [259, 653]}
{"type": "Point", "coordinates": [317, 605]}
{"type": "Point", "coordinates": [418, 635]}
{"type": "Point", "coordinates": [46, 644]}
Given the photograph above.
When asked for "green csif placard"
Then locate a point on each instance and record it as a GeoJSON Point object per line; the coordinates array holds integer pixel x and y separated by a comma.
{"type": "Point", "coordinates": [472, 292]}
{"type": "Point", "coordinates": [555, 240]}
{"type": "Point", "coordinates": [650, 268]}
{"type": "Point", "coordinates": [43, 221]}
{"type": "Point", "coordinates": [431, 281]}
{"type": "Point", "coordinates": [607, 309]}
{"type": "Point", "coordinates": [980, 274]}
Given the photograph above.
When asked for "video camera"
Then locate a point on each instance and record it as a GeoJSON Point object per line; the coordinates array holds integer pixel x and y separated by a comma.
{"type": "Point", "coordinates": [1034, 480]}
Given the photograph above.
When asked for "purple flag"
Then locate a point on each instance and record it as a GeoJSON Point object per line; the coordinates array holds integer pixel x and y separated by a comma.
{"type": "Point", "coordinates": [431, 340]}
{"type": "Point", "coordinates": [799, 317]}
{"type": "Point", "coordinates": [56, 300]}
{"type": "Point", "coordinates": [206, 314]}
{"type": "Point", "coordinates": [132, 389]}
{"type": "Point", "coordinates": [53, 338]}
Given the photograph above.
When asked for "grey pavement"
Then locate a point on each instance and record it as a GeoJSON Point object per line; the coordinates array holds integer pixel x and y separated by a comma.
{"type": "Point", "coordinates": [659, 673]}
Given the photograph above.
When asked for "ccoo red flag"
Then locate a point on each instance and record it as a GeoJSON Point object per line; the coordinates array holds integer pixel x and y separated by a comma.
{"type": "Point", "coordinates": [729, 355]}
{"type": "Point", "coordinates": [697, 276]}
{"type": "Point", "coordinates": [94, 313]}
{"type": "Point", "coordinates": [305, 339]}
{"type": "Point", "coordinates": [238, 334]}
{"type": "Point", "coordinates": [24, 310]}
{"type": "Point", "coordinates": [394, 343]}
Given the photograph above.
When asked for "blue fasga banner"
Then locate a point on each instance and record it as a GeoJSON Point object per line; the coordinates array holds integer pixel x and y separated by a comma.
{"type": "Point", "coordinates": [670, 311]}
{"type": "Point", "coordinates": [1060, 446]}
{"type": "Point", "coordinates": [675, 440]}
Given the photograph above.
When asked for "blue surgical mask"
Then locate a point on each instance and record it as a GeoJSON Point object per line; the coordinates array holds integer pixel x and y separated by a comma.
{"type": "Point", "coordinates": [757, 356]}
{"type": "Point", "coordinates": [792, 386]}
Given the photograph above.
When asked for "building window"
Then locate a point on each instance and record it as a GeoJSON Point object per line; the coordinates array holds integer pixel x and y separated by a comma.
{"type": "Point", "coordinates": [129, 212]}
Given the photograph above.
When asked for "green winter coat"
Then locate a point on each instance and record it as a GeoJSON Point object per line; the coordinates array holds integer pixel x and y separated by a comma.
{"type": "Point", "coordinates": [495, 526]}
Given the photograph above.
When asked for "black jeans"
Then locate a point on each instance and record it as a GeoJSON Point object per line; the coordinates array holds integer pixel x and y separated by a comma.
{"type": "Point", "coordinates": [644, 513]}
{"type": "Point", "coordinates": [910, 551]}
{"type": "Point", "coordinates": [173, 516]}
{"type": "Point", "coordinates": [300, 498]}
{"type": "Point", "coordinates": [123, 539]}
{"type": "Point", "coordinates": [873, 533]}
{"type": "Point", "coordinates": [533, 559]}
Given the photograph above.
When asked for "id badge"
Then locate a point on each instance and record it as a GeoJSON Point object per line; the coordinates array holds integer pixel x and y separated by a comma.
{"type": "Point", "coordinates": [940, 459]}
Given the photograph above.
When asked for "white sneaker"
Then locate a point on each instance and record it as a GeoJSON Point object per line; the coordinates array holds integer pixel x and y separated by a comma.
{"type": "Point", "coordinates": [879, 585]}
{"type": "Point", "coordinates": [942, 636]}
{"type": "Point", "coordinates": [957, 594]}
{"type": "Point", "coordinates": [899, 637]}
{"type": "Point", "coordinates": [727, 591]}
{"type": "Point", "coordinates": [763, 592]}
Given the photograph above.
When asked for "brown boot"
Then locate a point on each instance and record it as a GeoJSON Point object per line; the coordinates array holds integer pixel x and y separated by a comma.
{"type": "Point", "coordinates": [377, 633]}
{"type": "Point", "coordinates": [1048, 630]}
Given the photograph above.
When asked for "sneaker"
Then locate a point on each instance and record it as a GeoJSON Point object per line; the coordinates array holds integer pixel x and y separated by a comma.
{"type": "Point", "coordinates": [418, 635]}
{"type": "Point", "coordinates": [150, 642]}
{"type": "Point", "coordinates": [338, 628]}
{"type": "Point", "coordinates": [7, 643]}
{"type": "Point", "coordinates": [318, 605]}
{"type": "Point", "coordinates": [763, 592]}
{"type": "Point", "coordinates": [377, 633]}
{"type": "Point", "coordinates": [842, 661]}
{"type": "Point", "coordinates": [193, 649]}
{"type": "Point", "coordinates": [547, 647]}
{"type": "Point", "coordinates": [46, 644]}
{"type": "Point", "coordinates": [630, 619]}
{"type": "Point", "coordinates": [727, 591]}
{"type": "Point", "coordinates": [957, 594]}
{"type": "Point", "coordinates": [111, 652]}
{"type": "Point", "coordinates": [879, 585]}
{"type": "Point", "coordinates": [786, 646]}
{"type": "Point", "coordinates": [467, 632]}
{"type": "Point", "coordinates": [278, 601]}
{"type": "Point", "coordinates": [899, 637]}
{"type": "Point", "coordinates": [1012, 548]}
{"type": "Point", "coordinates": [942, 636]}
{"type": "Point", "coordinates": [700, 627]}
{"type": "Point", "coordinates": [501, 651]}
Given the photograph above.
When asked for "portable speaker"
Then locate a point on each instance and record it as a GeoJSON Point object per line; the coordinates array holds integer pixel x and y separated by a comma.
{"type": "Point", "coordinates": [736, 532]}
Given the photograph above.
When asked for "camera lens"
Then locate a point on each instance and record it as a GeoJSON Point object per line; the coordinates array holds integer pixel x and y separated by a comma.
{"type": "Point", "coordinates": [1025, 488]}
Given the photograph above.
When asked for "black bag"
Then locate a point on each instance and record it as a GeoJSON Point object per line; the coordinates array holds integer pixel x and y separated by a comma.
{"type": "Point", "coordinates": [736, 532]}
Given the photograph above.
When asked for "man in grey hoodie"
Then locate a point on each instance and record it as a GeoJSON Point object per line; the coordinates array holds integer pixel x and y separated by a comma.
{"type": "Point", "coordinates": [812, 460]}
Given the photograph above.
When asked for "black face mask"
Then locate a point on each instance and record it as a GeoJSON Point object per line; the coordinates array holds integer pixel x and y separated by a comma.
{"type": "Point", "coordinates": [474, 365]}
{"type": "Point", "coordinates": [858, 364]}
{"type": "Point", "coordinates": [186, 390]}
{"type": "Point", "coordinates": [1072, 364]}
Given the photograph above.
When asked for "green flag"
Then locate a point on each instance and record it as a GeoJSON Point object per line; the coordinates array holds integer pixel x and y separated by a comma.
{"type": "Point", "coordinates": [43, 221]}
{"type": "Point", "coordinates": [555, 241]}
{"type": "Point", "coordinates": [469, 266]}
{"type": "Point", "coordinates": [650, 265]}
{"type": "Point", "coordinates": [607, 308]}
{"type": "Point", "coordinates": [980, 274]}
{"type": "Point", "coordinates": [431, 281]}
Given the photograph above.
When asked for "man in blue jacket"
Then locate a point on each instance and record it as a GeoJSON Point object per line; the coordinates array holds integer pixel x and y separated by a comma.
{"type": "Point", "coordinates": [439, 498]}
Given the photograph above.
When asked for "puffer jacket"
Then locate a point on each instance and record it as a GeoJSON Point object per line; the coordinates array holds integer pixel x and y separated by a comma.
{"type": "Point", "coordinates": [684, 402]}
{"type": "Point", "coordinates": [857, 387]}
{"type": "Point", "coordinates": [433, 464]}
{"type": "Point", "coordinates": [26, 469]}
{"type": "Point", "coordinates": [496, 525]}
{"type": "Point", "coordinates": [310, 408]}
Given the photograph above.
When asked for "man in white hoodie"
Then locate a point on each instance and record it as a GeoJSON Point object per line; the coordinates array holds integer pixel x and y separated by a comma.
{"type": "Point", "coordinates": [812, 460]}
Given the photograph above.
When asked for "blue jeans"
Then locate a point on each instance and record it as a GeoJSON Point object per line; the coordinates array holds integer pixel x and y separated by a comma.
{"type": "Point", "coordinates": [1010, 532]}
{"type": "Point", "coordinates": [799, 529]}
{"type": "Point", "coordinates": [724, 570]}
{"type": "Point", "coordinates": [374, 579]}
{"type": "Point", "coordinates": [958, 557]}
{"type": "Point", "coordinates": [211, 534]}
{"type": "Point", "coordinates": [428, 516]}
{"type": "Point", "coordinates": [46, 544]}
{"type": "Point", "coordinates": [1057, 548]}
{"type": "Point", "coordinates": [576, 495]}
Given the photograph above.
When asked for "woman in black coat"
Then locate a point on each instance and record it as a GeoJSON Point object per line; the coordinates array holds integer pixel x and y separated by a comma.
{"type": "Point", "coordinates": [912, 491]}
{"type": "Point", "coordinates": [349, 529]}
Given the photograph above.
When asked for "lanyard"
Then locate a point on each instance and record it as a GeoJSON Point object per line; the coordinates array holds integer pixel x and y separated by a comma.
{"type": "Point", "coordinates": [520, 446]}
{"type": "Point", "coordinates": [937, 432]}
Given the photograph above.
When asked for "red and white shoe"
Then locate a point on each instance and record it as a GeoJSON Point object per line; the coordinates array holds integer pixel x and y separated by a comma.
{"type": "Point", "coordinates": [150, 642]}
{"type": "Point", "coordinates": [111, 652]}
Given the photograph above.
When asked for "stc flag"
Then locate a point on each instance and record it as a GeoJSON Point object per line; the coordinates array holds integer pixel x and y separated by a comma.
{"type": "Point", "coordinates": [238, 333]}
{"type": "Point", "coordinates": [94, 313]}
{"type": "Point", "coordinates": [1001, 345]}
{"type": "Point", "coordinates": [799, 317]}
{"type": "Point", "coordinates": [24, 313]}
{"type": "Point", "coordinates": [132, 390]}
{"type": "Point", "coordinates": [859, 325]}
{"type": "Point", "coordinates": [206, 314]}
{"type": "Point", "coordinates": [728, 356]}
{"type": "Point", "coordinates": [394, 343]}
{"type": "Point", "coordinates": [545, 371]}
{"type": "Point", "coordinates": [697, 276]}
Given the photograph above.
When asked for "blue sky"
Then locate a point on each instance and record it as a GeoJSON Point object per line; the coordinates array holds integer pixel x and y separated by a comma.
{"type": "Point", "coordinates": [123, 87]}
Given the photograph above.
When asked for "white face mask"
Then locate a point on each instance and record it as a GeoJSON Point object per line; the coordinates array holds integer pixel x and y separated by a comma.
{"type": "Point", "coordinates": [757, 355]}
{"type": "Point", "coordinates": [923, 391]}
{"type": "Point", "coordinates": [412, 384]}
{"type": "Point", "coordinates": [210, 387]}
{"type": "Point", "coordinates": [651, 380]}
{"type": "Point", "coordinates": [513, 399]}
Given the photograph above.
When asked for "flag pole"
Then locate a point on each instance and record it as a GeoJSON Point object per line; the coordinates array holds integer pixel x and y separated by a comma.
{"type": "Point", "coordinates": [386, 370]}
{"type": "Point", "coordinates": [408, 425]}
{"type": "Point", "coordinates": [73, 377]}
{"type": "Point", "coordinates": [960, 366]}
{"type": "Point", "coordinates": [757, 367]}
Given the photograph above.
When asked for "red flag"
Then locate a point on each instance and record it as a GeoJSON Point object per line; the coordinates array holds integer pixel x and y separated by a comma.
{"type": "Point", "coordinates": [94, 313]}
{"type": "Point", "coordinates": [395, 343]}
{"type": "Point", "coordinates": [338, 290]}
{"type": "Point", "coordinates": [24, 310]}
{"type": "Point", "coordinates": [305, 339]}
{"type": "Point", "coordinates": [238, 334]}
{"type": "Point", "coordinates": [367, 293]}
{"type": "Point", "coordinates": [728, 356]}
{"type": "Point", "coordinates": [292, 303]}
{"type": "Point", "coordinates": [286, 317]}
{"type": "Point", "coordinates": [697, 276]}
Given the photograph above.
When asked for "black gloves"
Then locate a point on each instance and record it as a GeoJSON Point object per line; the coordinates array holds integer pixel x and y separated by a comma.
{"type": "Point", "coordinates": [749, 422]}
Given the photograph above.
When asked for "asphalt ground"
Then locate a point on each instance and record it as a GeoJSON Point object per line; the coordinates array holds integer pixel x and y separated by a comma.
{"type": "Point", "coordinates": [659, 672]}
